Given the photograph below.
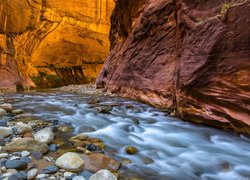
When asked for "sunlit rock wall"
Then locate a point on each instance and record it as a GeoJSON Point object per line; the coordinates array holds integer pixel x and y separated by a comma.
{"type": "Point", "coordinates": [52, 36]}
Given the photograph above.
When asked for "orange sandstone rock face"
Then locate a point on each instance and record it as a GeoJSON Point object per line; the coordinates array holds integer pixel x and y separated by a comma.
{"type": "Point", "coordinates": [189, 57]}
{"type": "Point", "coordinates": [53, 42]}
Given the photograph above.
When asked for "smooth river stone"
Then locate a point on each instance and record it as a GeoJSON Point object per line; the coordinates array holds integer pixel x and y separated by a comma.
{"type": "Point", "coordinates": [45, 135]}
{"type": "Point", "coordinates": [103, 175]}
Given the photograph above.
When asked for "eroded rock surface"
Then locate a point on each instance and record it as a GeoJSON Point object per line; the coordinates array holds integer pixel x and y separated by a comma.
{"type": "Point", "coordinates": [53, 42]}
{"type": "Point", "coordinates": [189, 57]}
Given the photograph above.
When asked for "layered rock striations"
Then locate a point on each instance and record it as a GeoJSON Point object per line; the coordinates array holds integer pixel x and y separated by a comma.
{"type": "Point", "coordinates": [53, 42]}
{"type": "Point", "coordinates": [190, 57]}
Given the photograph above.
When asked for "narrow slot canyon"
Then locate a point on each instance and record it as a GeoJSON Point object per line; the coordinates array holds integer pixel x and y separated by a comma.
{"type": "Point", "coordinates": [124, 89]}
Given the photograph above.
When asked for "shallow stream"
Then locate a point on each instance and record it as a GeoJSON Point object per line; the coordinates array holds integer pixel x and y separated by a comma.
{"type": "Point", "coordinates": [168, 147]}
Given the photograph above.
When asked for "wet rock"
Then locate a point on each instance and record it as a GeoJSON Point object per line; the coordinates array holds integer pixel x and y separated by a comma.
{"type": "Point", "coordinates": [26, 144]}
{"type": "Point", "coordinates": [3, 112]}
{"type": "Point", "coordinates": [53, 147]}
{"type": "Point", "coordinates": [6, 106]}
{"type": "Point", "coordinates": [69, 174]}
{"type": "Point", "coordinates": [131, 150]}
{"type": "Point", "coordinates": [103, 175]}
{"type": "Point", "coordinates": [135, 121]}
{"type": "Point", "coordinates": [23, 128]}
{"type": "Point", "coordinates": [78, 178]}
{"type": "Point", "coordinates": [91, 147]}
{"type": "Point", "coordinates": [45, 135]}
{"type": "Point", "coordinates": [65, 129]}
{"type": "Point", "coordinates": [86, 174]}
{"type": "Point", "coordinates": [40, 176]}
{"type": "Point", "coordinates": [104, 110]}
{"type": "Point", "coordinates": [16, 164]}
{"type": "Point", "coordinates": [18, 176]}
{"type": "Point", "coordinates": [50, 170]}
{"type": "Point", "coordinates": [32, 173]}
{"type": "Point", "coordinates": [17, 111]}
{"type": "Point", "coordinates": [71, 162]}
{"type": "Point", "coordinates": [79, 137]}
{"type": "Point", "coordinates": [25, 153]}
{"type": "Point", "coordinates": [96, 162]}
{"type": "Point", "coordinates": [37, 154]}
{"type": "Point", "coordinates": [5, 131]}
{"type": "Point", "coordinates": [26, 159]}
{"type": "Point", "coordinates": [3, 123]}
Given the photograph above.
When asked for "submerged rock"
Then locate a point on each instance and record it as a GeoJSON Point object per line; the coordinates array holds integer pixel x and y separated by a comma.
{"type": "Point", "coordinates": [131, 150]}
{"type": "Point", "coordinates": [96, 162]}
{"type": "Point", "coordinates": [103, 175]}
{"type": "Point", "coordinates": [45, 135]}
{"type": "Point", "coordinates": [71, 162]}
{"type": "Point", "coordinates": [22, 144]}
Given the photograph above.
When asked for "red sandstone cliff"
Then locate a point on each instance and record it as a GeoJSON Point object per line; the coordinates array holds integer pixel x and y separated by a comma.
{"type": "Point", "coordinates": [192, 57]}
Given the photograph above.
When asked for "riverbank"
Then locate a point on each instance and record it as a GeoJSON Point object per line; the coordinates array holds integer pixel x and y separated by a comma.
{"type": "Point", "coordinates": [31, 148]}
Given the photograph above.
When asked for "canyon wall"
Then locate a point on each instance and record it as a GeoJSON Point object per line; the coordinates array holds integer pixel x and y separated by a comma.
{"type": "Point", "coordinates": [191, 58]}
{"type": "Point", "coordinates": [53, 42]}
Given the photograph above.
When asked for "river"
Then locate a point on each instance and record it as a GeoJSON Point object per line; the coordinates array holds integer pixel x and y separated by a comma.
{"type": "Point", "coordinates": [168, 147]}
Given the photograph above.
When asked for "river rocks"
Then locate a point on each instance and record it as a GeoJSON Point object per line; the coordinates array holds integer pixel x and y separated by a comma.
{"type": "Point", "coordinates": [6, 106]}
{"type": "Point", "coordinates": [96, 162]}
{"type": "Point", "coordinates": [50, 170]}
{"type": "Point", "coordinates": [16, 164]}
{"type": "Point", "coordinates": [5, 131]}
{"type": "Point", "coordinates": [53, 147]}
{"type": "Point", "coordinates": [23, 128]}
{"type": "Point", "coordinates": [131, 150]}
{"type": "Point", "coordinates": [3, 112]}
{"type": "Point", "coordinates": [45, 135]}
{"type": "Point", "coordinates": [103, 175]}
{"type": "Point", "coordinates": [2, 141]}
{"type": "Point", "coordinates": [32, 173]}
{"type": "Point", "coordinates": [71, 162]}
{"type": "Point", "coordinates": [104, 110]}
{"type": "Point", "coordinates": [22, 144]}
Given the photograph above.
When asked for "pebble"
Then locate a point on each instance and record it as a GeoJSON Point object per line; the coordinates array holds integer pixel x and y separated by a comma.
{"type": "Point", "coordinates": [5, 131]}
{"type": "Point", "coordinates": [12, 171]}
{"type": "Point", "coordinates": [37, 154]}
{"type": "Point", "coordinates": [70, 161]}
{"type": "Point", "coordinates": [40, 176]}
{"type": "Point", "coordinates": [32, 173]}
{"type": "Point", "coordinates": [16, 164]}
{"type": "Point", "coordinates": [50, 170]}
{"type": "Point", "coordinates": [78, 178]}
{"type": "Point", "coordinates": [53, 147]}
{"type": "Point", "coordinates": [25, 153]}
{"type": "Point", "coordinates": [86, 174]}
{"type": "Point", "coordinates": [131, 150]}
{"type": "Point", "coordinates": [17, 111]}
{"type": "Point", "coordinates": [18, 176]}
{"type": "Point", "coordinates": [45, 135]}
{"type": "Point", "coordinates": [26, 159]}
{"type": "Point", "coordinates": [23, 128]}
{"type": "Point", "coordinates": [3, 123]}
{"type": "Point", "coordinates": [103, 175]}
{"type": "Point", "coordinates": [68, 174]}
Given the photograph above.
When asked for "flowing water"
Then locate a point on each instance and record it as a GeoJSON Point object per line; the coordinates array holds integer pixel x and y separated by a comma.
{"type": "Point", "coordinates": [168, 148]}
